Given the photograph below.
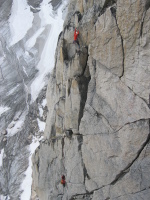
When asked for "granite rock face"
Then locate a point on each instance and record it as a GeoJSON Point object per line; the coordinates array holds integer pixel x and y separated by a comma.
{"type": "Point", "coordinates": [97, 128]}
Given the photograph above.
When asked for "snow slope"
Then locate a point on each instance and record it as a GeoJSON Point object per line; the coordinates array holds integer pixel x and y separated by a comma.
{"type": "Point", "coordinates": [41, 125]}
{"type": "Point", "coordinates": [20, 20]}
{"type": "Point", "coordinates": [46, 64]}
{"type": "Point", "coordinates": [16, 126]}
{"type": "Point", "coordinates": [20, 23]}
{"type": "Point", "coordinates": [1, 157]}
{"type": "Point", "coordinates": [3, 109]}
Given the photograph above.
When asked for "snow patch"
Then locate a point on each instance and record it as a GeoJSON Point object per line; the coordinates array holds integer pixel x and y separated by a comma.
{"type": "Point", "coordinates": [27, 53]}
{"type": "Point", "coordinates": [20, 20]}
{"type": "Point", "coordinates": [27, 182]}
{"type": "Point", "coordinates": [41, 138]}
{"type": "Point", "coordinates": [3, 109]}
{"type": "Point", "coordinates": [24, 69]}
{"type": "Point", "coordinates": [1, 157]}
{"type": "Point", "coordinates": [41, 125]}
{"type": "Point", "coordinates": [4, 197]}
{"type": "Point", "coordinates": [31, 42]}
{"type": "Point", "coordinates": [16, 126]}
{"type": "Point", "coordinates": [44, 103]}
{"type": "Point", "coordinates": [1, 60]}
{"type": "Point", "coordinates": [34, 8]}
{"type": "Point", "coordinates": [27, 57]}
{"type": "Point", "coordinates": [17, 115]}
{"type": "Point", "coordinates": [12, 90]}
{"type": "Point", "coordinates": [46, 14]}
{"type": "Point", "coordinates": [40, 111]}
{"type": "Point", "coordinates": [46, 64]}
{"type": "Point", "coordinates": [27, 92]}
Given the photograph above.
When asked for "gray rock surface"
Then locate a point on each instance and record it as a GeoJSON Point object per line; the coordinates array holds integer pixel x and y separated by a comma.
{"type": "Point", "coordinates": [137, 72]}
{"type": "Point", "coordinates": [97, 129]}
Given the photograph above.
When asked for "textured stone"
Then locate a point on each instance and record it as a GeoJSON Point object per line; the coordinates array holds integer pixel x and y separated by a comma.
{"type": "Point", "coordinates": [4, 132]}
{"type": "Point", "coordinates": [97, 129]}
{"type": "Point", "coordinates": [134, 24]}
{"type": "Point", "coordinates": [106, 44]}
{"type": "Point", "coordinates": [5, 139]}
{"type": "Point", "coordinates": [133, 184]}
{"type": "Point", "coordinates": [113, 152]}
{"type": "Point", "coordinates": [64, 159]}
{"type": "Point", "coordinates": [70, 87]}
{"type": "Point", "coordinates": [115, 101]}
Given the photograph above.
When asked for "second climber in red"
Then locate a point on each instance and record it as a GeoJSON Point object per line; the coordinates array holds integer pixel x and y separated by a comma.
{"type": "Point", "coordinates": [76, 33]}
{"type": "Point", "coordinates": [63, 181]}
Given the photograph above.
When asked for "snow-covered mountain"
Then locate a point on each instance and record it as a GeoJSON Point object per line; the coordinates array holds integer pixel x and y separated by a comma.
{"type": "Point", "coordinates": [96, 104]}
{"type": "Point", "coordinates": [29, 32]}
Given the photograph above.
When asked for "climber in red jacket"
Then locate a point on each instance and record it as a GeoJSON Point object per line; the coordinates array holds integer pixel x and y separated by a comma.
{"type": "Point", "coordinates": [63, 181]}
{"type": "Point", "coordinates": [76, 33]}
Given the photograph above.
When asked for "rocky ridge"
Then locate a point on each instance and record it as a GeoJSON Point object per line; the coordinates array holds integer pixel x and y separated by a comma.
{"type": "Point", "coordinates": [97, 128]}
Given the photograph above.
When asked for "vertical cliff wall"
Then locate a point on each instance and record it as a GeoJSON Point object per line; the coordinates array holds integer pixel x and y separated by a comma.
{"type": "Point", "coordinates": [97, 129]}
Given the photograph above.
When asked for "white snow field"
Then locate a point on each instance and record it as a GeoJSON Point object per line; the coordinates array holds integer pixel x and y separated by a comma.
{"type": "Point", "coordinates": [3, 109]}
{"type": "Point", "coordinates": [20, 23]}
{"type": "Point", "coordinates": [4, 197]}
{"type": "Point", "coordinates": [41, 125]}
{"type": "Point", "coordinates": [20, 20]}
{"type": "Point", "coordinates": [1, 157]}
{"type": "Point", "coordinates": [46, 64]}
{"type": "Point", "coordinates": [16, 126]}
{"type": "Point", "coordinates": [44, 102]}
